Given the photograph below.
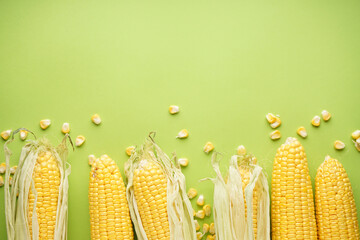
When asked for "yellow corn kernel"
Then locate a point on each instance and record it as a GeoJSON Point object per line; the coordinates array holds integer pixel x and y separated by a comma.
{"type": "Point", "coordinates": [271, 118]}
{"type": "Point", "coordinates": [199, 235]}
{"type": "Point", "coordinates": [241, 150]}
{"type": "Point", "coordinates": [194, 213]}
{"type": "Point", "coordinates": [183, 162]}
{"type": "Point", "coordinates": [356, 134]}
{"type": "Point", "coordinates": [316, 121]}
{"type": "Point", "coordinates": [212, 228]}
{"type": "Point", "coordinates": [301, 131]}
{"type": "Point", "coordinates": [210, 237]}
{"type": "Point", "coordinates": [339, 145]}
{"type": "Point", "coordinates": [201, 200]}
{"type": "Point", "coordinates": [336, 213]}
{"type": "Point", "coordinates": [2, 184]}
{"type": "Point", "coordinates": [200, 214]}
{"type": "Point", "coordinates": [2, 168]}
{"type": "Point", "coordinates": [276, 124]}
{"type": "Point", "coordinates": [325, 115]}
{"type": "Point", "coordinates": [206, 228]}
{"type": "Point", "coordinates": [183, 134]}
{"type": "Point", "coordinates": [275, 135]}
{"type": "Point", "coordinates": [357, 141]}
{"type": "Point", "coordinates": [174, 109]}
{"type": "Point", "coordinates": [207, 210]}
{"type": "Point", "coordinates": [357, 144]}
{"type": "Point", "coordinates": [208, 147]}
{"type": "Point", "coordinates": [197, 225]}
{"type": "Point", "coordinates": [65, 128]}
{"type": "Point", "coordinates": [79, 140]}
{"type": "Point", "coordinates": [292, 195]}
{"type": "Point", "coordinates": [13, 169]}
{"type": "Point", "coordinates": [45, 123]}
{"type": "Point", "coordinates": [6, 134]}
{"type": "Point", "coordinates": [91, 159]}
{"type": "Point", "coordinates": [23, 134]}
{"type": "Point", "coordinates": [10, 181]}
{"type": "Point", "coordinates": [129, 150]}
{"type": "Point", "coordinates": [192, 193]}
{"type": "Point", "coordinates": [96, 119]}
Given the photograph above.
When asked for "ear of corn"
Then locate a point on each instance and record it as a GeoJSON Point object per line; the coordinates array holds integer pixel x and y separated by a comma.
{"type": "Point", "coordinates": [292, 205]}
{"type": "Point", "coordinates": [336, 213]}
{"type": "Point", "coordinates": [109, 210]}
{"type": "Point", "coordinates": [242, 211]}
{"type": "Point", "coordinates": [156, 192]}
{"type": "Point", "coordinates": [36, 204]}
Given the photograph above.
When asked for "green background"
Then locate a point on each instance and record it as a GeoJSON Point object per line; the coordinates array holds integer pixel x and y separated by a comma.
{"type": "Point", "coordinates": [225, 63]}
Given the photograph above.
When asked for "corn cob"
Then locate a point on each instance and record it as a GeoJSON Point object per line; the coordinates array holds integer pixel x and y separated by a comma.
{"type": "Point", "coordinates": [336, 214]}
{"type": "Point", "coordinates": [36, 204]}
{"type": "Point", "coordinates": [292, 206]}
{"type": "Point", "coordinates": [159, 206]}
{"type": "Point", "coordinates": [109, 210]}
{"type": "Point", "coordinates": [46, 177]}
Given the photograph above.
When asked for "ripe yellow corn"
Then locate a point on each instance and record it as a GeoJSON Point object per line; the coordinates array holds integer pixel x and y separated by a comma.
{"type": "Point", "coordinates": [192, 193]}
{"type": "Point", "coordinates": [201, 200]}
{"type": "Point", "coordinates": [206, 228]}
{"type": "Point", "coordinates": [129, 150]}
{"type": "Point", "coordinates": [316, 121]}
{"type": "Point", "coordinates": [45, 123]}
{"type": "Point", "coordinates": [292, 205]}
{"type": "Point", "coordinates": [174, 109]}
{"type": "Point", "coordinates": [245, 178]}
{"type": "Point", "coordinates": [109, 210]}
{"type": "Point", "coordinates": [46, 177]}
{"type": "Point", "coordinates": [207, 210]}
{"type": "Point", "coordinates": [79, 140]}
{"type": "Point", "coordinates": [208, 147]}
{"type": "Point", "coordinates": [212, 228]}
{"type": "Point", "coordinates": [2, 168]}
{"type": "Point", "coordinates": [2, 184]}
{"type": "Point", "coordinates": [326, 115]}
{"type": "Point", "coordinates": [197, 225]}
{"type": "Point", "coordinates": [23, 134]}
{"type": "Point", "coordinates": [184, 133]}
{"type": "Point", "coordinates": [6, 134]}
{"type": "Point", "coordinates": [150, 189]}
{"type": "Point", "coordinates": [275, 135]}
{"type": "Point", "coordinates": [65, 128]}
{"type": "Point", "coordinates": [200, 214]}
{"type": "Point", "coordinates": [96, 119]}
{"type": "Point", "coordinates": [336, 213]}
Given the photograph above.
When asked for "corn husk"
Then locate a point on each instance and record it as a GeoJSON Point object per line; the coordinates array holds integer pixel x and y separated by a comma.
{"type": "Point", "coordinates": [179, 209]}
{"type": "Point", "coordinates": [16, 197]}
{"type": "Point", "coordinates": [229, 206]}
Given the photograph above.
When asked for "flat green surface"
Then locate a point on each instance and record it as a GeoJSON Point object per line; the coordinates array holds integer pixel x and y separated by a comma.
{"type": "Point", "coordinates": [225, 63]}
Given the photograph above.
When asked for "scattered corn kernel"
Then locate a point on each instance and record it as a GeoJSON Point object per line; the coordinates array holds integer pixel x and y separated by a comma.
{"type": "Point", "coordinates": [339, 145]}
{"type": "Point", "coordinates": [65, 128]}
{"type": "Point", "coordinates": [45, 123]}
{"type": "Point", "coordinates": [10, 181]}
{"type": "Point", "coordinates": [96, 119]}
{"type": "Point", "coordinates": [92, 159]}
{"type": "Point", "coordinates": [197, 225]}
{"type": "Point", "coordinates": [201, 200]}
{"type": "Point", "coordinates": [206, 228]}
{"type": "Point", "coordinates": [174, 109]}
{"type": "Point", "coordinates": [241, 150]}
{"type": "Point", "coordinates": [194, 213]}
{"type": "Point", "coordinates": [192, 193]}
{"type": "Point", "coordinates": [212, 228]}
{"type": "Point", "coordinates": [271, 118]}
{"type": "Point", "coordinates": [276, 124]}
{"type": "Point", "coordinates": [208, 147]}
{"type": "Point", "coordinates": [316, 121]}
{"type": "Point", "coordinates": [183, 134]}
{"type": "Point", "coordinates": [23, 134]}
{"type": "Point", "coordinates": [357, 145]}
{"type": "Point", "coordinates": [13, 169]}
{"type": "Point", "coordinates": [207, 210]}
{"type": "Point", "coordinates": [183, 162]}
{"type": "Point", "coordinates": [2, 168]}
{"type": "Point", "coordinates": [6, 134]}
{"type": "Point", "coordinates": [210, 237]}
{"type": "Point", "coordinates": [356, 134]}
{"type": "Point", "coordinates": [302, 132]}
{"type": "Point", "coordinates": [199, 235]}
{"type": "Point", "coordinates": [2, 184]}
{"type": "Point", "coordinates": [79, 140]}
{"type": "Point", "coordinates": [357, 141]}
{"type": "Point", "coordinates": [200, 214]}
{"type": "Point", "coordinates": [275, 135]}
{"type": "Point", "coordinates": [129, 150]}
{"type": "Point", "coordinates": [325, 115]}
